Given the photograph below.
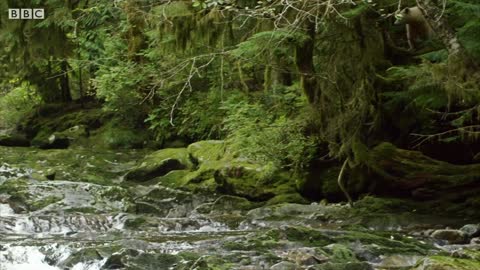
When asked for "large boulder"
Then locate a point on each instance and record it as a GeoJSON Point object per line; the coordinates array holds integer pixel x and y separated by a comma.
{"type": "Point", "coordinates": [159, 163]}
{"type": "Point", "coordinates": [206, 166]}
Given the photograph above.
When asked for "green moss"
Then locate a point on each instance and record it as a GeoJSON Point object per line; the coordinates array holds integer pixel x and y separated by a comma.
{"type": "Point", "coordinates": [85, 210]}
{"type": "Point", "coordinates": [203, 151]}
{"type": "Point", "coordinates": [134, 223]}
{"type": "Point", "coordinates": [449, 263]}
{"type": "Point", "coordinates": [287, 198]}
{"type": "Point", "coordinates": [252, 245]}
{"type": "Point", "coordinates": [385, 243]}
{"type": "Point", "coordinates": [14, 186]}
{"type": "Point", "coordinates": [307, 236]}
{"type": "Point", "coordinates": [115, 193]}
{"type": "Point", "coordinates": [37, 205]}
{"type": "Point", "coordinates": [83, 255]}
{"type": "Point", "coordinates": [370, 204]}
{"type": "Point", "coordinates": [339, 253]}
{"type": "Point", "coordinates": [189, 256]}
{"type": "Point", "coordinates": [17, 189]}
{"type": "Point", "coordinates": [175, 179]}
{"type": "Point", "coordinates": [115, 137]}
{"type": "Point", "coordinates": [160, 163]}
{"type": "Point", "coordinates": [203, 173]}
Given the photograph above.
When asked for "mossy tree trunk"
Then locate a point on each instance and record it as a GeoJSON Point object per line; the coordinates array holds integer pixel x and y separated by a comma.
{"type": "Point", "coordinates": [135, 37]}
{"type": "Point", "coordinates": [304, 53]}
{"type": "Point", "coordinates": [66, 96]}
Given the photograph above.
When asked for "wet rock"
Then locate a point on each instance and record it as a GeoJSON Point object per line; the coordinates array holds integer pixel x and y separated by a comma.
{"type": "Point", "coordinates": [451, 236]}
{"type": "Point", "coordinates": [398, 261]}
{"type": "Point", "coordinates": [471, 230]}
{"type": "Point", "coordinates": [226, 204]}
{"type": "Point", "coordinates": [162, 201]}
{"type": "Point", "coordinates": [114, 262]}
{"type": "Point", "coordinates": [475, 241]}
{"type": "Point", "coordinates": [284, 266]}
{"type": "Point", "coordinates": [307, 256]}
{"type": "Point", "coordinates": [84, 255]}
{"type": "Point", "coordinates": [159, 163]}
{"type": "Point", "coordinates": [13, 140]}
{"type": "Point", "coordinates": [119, 259]}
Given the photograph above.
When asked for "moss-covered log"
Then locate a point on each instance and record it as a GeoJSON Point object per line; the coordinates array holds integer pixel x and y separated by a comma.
{"type": "Point", "coordinates": [411, 173]}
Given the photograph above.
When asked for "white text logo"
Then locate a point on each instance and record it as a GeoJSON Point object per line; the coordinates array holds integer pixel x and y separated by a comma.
{"type": "Point", "coordinates": [26, 13]}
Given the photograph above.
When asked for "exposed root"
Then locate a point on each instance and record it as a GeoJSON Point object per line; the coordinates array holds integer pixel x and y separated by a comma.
{"type": "Point", "coordinates": [340, 183]}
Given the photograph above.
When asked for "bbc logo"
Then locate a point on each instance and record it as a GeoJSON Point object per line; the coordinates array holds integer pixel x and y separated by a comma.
{"type": "Point", "coordinates": [26, 13]}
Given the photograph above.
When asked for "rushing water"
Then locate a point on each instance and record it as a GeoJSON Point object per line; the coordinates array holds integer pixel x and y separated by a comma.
{"type": "Point", "coordinates": [86, 219]}
{"type": "Point", "coordinates": [81, 215]}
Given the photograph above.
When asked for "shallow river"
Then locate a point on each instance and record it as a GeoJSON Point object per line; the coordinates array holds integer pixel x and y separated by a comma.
{"type": "Point", "coordinates": [70, 209]}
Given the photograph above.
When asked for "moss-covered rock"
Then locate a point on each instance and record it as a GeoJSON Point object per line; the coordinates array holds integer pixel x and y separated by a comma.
{"type": "Point", "coordinates": [245, 180]}
{"type": "Point", "coordinates": [17, 194]}
{"type": "Point", "coordinates": [159, 163]}
{"type": "Point", "coordinates": [339, 253]}
{"type": "Point", "coordinates": [212, 170]}
{"type": "Point", "coordinates": [287, 198]}
{"type": "Point", "coordinates": [203, 151]}
{"type": "Point", "coordinates": [447, 263]}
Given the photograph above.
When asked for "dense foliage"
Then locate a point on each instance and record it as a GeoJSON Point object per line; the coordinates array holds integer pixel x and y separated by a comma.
{"type": "Point", "coordinates": [284, 82]}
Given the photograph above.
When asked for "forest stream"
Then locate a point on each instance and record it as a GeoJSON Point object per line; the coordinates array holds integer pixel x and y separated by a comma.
{"type": "Point", "coordinates": [71, 209]}
{"type": "Point", "coordinates": [240, 135]}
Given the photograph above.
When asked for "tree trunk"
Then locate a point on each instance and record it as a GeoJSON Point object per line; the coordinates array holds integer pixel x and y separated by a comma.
{"type": "Point", "coordinates": [64, 82]}
{"type": "Point", "coordinates": [304, 61]}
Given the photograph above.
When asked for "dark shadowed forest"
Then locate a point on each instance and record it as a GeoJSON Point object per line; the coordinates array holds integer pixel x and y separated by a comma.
{"type": "Point", "coordinates": [240, 134]}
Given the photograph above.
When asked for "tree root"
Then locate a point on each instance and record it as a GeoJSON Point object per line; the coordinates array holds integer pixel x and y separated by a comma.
{"type": "Point", "coordinates": [340, 183]}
